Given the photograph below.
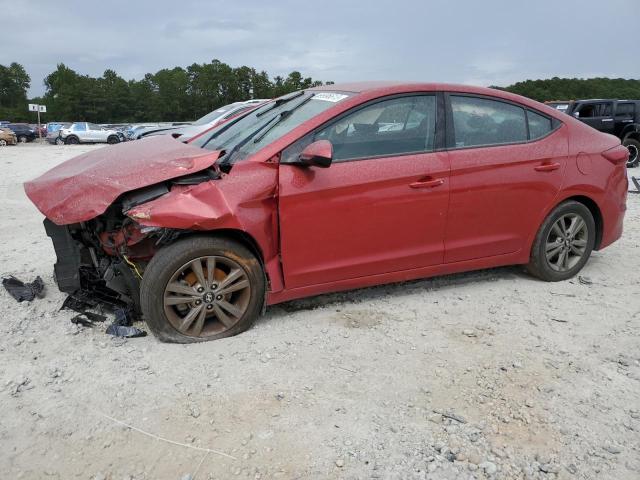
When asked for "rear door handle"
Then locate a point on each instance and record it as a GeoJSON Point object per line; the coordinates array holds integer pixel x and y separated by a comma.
{"type": "Point", "coordinates": [607, 119]}
{"type": "Point", "coordinates": [547, 167]}
{"type": "Point", "coordinates": [435, 182]}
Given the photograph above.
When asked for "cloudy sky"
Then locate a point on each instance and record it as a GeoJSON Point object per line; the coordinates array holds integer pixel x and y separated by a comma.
{"type": "Point", "coordinates": [480, 42]}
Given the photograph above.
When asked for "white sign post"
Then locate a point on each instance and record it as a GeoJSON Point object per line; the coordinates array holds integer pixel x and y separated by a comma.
{"type": "Point", "coordinates": [34, 107]}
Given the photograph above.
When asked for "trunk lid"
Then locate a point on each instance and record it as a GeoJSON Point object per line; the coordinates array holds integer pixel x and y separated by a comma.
{"type": "Point", "coordinates": [83, 188]}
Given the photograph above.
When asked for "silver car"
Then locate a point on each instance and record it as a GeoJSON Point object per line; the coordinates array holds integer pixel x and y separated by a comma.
{"type": "Point", "coordinates": [84, 132]}
{"type": "Point", "coordinates": [205, 123]}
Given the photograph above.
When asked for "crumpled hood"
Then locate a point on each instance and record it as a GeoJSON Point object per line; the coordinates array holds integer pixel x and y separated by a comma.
{"type": "Point", "coordinates": [83, 188]}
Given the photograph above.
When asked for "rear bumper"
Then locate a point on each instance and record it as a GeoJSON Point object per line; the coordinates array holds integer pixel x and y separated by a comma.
{"type": "Point", "coordinates": [614, 207]}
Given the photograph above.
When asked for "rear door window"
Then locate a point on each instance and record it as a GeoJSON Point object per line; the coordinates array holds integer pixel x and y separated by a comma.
{"type": "Point", "coordinates": [79, 127]}
{"type": "Point", "coordinates": [625, 110]}
{"type": "Point", "coordinates": [483, 122]}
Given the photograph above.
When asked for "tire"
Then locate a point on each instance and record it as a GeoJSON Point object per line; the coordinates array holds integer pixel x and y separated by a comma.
{"type": "Point", "coordinates": [22, 139]}
{"type": "Point", "coordinates": [72, 141]}
{"type": "Point", "coordinates": [634, 148]}
{"type": "Point", "coordinates": [3, 143]}
{"type": "Point", "coordinates": [167, 271]}
{"type": "Point", "coordinates": [553, 268]}
{"type": "Point", "coordinates": [59, 141]}
{"type": "Point", "coordinates": [113, 139]}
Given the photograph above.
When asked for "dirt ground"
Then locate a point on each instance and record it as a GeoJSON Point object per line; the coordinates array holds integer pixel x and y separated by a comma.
{"type": "Point", "coordinates": [489, 374]}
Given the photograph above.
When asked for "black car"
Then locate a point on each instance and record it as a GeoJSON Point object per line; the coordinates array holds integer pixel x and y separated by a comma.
{"type": "Point", "coordinates": [617, 117]}
{"type": "Point", "coordinates": [23, 132]}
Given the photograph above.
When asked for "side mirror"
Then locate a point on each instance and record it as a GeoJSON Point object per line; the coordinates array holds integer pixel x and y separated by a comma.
{"type": "Point", "coordinates": [317, 154]}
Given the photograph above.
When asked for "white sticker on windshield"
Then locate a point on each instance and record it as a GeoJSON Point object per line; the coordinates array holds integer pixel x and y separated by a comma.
{"type": "Point", "coordinates": [329, 97]}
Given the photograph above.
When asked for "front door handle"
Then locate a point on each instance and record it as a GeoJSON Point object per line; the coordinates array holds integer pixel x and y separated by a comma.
{"type": "Point", "coordinates": [547, 167]}
{"type": "Point", "coordinates": [435, 182]}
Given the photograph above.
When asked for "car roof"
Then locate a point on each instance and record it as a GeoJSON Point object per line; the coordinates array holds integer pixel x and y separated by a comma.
{"type": "Point", "coordinates": [382, 88]}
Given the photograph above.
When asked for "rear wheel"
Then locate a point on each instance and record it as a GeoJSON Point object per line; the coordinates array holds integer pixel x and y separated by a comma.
{"type": "Point", "coordinates": [202, 288]}
{"type": "Point", "coordinates": [59, 141]}
{"type": "Point", "coordinates": [72, 141]}
{"type": "Point", "coordinates": [3, 143]}
{"type": "Point", "coordinates": [564, 243]}
{"type": "Point", "coordinates": [22, 139]}
{"type": "Point", "coordinates": [113, 139]}
{"type": "Point", "coordinates": [634, 147]}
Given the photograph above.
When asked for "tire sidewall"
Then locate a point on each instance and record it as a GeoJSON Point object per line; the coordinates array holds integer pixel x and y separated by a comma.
{"type": "Point", "coordinates": [539, 262]}
{"type": "Point", "coordinates": [171, 258]}
{"type": "Point", "coordinates": [636, 144]}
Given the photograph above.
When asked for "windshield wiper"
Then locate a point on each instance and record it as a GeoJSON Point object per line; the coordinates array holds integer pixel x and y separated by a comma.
{"type": "Point", "coordinates": [279, 118]}
{"type": "Point", "coordinates": [227, 156]}
{"type": "Point", "coordinates": [281, 101]}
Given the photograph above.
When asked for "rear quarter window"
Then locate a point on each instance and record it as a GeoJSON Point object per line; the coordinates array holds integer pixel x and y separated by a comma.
{"type": "Point", "coordinates": [539, 125]}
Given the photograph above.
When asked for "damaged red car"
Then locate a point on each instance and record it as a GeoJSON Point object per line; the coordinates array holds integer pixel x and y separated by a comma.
{"type": "Point", "coordinates": [327, 189]}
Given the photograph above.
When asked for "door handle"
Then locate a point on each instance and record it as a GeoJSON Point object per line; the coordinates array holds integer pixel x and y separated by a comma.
{"type": "Point", "coordinates": [547, 167]}
{"type": "Point", "coordinates": [607, 119]}
{"type": "Point", "coordinates": [435, 182]}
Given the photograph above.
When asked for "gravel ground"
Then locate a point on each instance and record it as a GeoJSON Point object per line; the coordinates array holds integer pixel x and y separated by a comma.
{"type": "Point", "coordinates": [490, 374]}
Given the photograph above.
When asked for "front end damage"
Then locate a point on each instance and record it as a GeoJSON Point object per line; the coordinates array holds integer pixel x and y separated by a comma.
{"type": "Point", "coordinates": [101, 261]}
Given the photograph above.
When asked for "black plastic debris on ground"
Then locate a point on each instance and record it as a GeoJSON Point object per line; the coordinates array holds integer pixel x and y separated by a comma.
{"type": "Point", "coordinates": [23, 291]}
{"type": "Point", "coordinates": [87, 319]}
{"type": "Point", "coordinates": [121, 326]}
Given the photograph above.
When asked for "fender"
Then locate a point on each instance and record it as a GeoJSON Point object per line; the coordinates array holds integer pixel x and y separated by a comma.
{"type": "Point", "coordinates": [245, 200]}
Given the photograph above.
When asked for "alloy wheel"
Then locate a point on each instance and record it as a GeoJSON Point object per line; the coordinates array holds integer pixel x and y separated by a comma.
{"type": "Point", "coordinates": [3, 143]}
{"type": "Point", "coordinates": [207, 296]}
{"type": "Point", "coordinates": [567, 242]}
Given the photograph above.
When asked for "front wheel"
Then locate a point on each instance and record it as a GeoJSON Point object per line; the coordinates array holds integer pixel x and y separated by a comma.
{"type": "Point", "coordinates": [202, 288]}
{"type": "Point", "coordinates": [72, 141]}
{"type": "Point", "coordinates": [22, 139]}
{"type": "Point", "coordinates": [59, 141]}
{"type": "Point", "coordinates": [564, 243]}
{"type": "Point", "coordinates": [634, 148]}
{"type": "Point", "coordinates": [113, 139]}
{"type": "Point", "coordinates": [3, 142]}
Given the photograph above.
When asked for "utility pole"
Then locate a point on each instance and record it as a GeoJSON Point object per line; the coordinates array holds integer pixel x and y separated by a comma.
{"type": "Point", "coordinates": [34, 107]}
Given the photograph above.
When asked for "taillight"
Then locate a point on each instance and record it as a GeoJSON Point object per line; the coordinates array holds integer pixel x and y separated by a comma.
{"type": "Point", "coordinates": [617, 155]}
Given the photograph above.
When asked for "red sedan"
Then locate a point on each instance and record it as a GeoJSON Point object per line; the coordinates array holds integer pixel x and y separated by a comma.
{"type": "Point", "coordinates": [327, 189]}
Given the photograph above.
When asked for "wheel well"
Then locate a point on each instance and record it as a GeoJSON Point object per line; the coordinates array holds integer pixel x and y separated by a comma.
{"type": "Point", "coordinates": [632, 135]}
{"type": "Point", "coordinates": [597, 215]}
{"type": "Point", "coordinates": [237, 235]}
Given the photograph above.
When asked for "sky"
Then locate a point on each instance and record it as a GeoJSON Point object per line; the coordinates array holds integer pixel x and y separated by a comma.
{"type": "Point", "coordinates": [481, 42]}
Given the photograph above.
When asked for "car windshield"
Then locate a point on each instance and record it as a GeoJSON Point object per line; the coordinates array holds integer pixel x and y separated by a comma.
{"type": "Point", "coordinates": [211, 116]}
{"type": "Point", "coordinates": [249, 133]}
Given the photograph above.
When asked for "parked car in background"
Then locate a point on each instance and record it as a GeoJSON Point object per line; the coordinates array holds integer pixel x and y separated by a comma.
{"type": "Point", "coordinates": [617, 117]}
{"type": "Point", "coordinates": [23, 132]}
{"type": "Point", "coordinates": [84, 132]}
{"type": "Point", "coordinates": [207, 122]}
{"type": "Point", "coordinates": [53, 132]}
{"type": "Point", "coordinates": [315, 192]}
{"type": "Point", "coordinates": [7, 137]}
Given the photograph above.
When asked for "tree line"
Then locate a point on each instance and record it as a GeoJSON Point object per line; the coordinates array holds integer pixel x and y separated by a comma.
{"type": "Point", "coordinates": [576, 88]}
{"type": "Point", "coordinates": [175, 94]}
{"type": "Point", "coordinates": [183, 94]}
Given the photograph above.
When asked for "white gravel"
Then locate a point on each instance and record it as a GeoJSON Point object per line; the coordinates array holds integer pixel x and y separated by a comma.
{"type": "Point", "coordinates": [490, 374]}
